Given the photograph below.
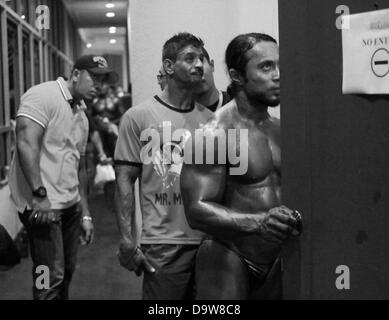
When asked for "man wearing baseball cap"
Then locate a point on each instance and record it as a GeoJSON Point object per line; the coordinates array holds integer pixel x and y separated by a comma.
{"type": "Point", "coordinates": [96, 65]}
{"type": "Point", "coordinates": [48, 173]}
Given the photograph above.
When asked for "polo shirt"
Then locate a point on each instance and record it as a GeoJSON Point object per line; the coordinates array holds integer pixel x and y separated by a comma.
{"type": "Point", "coordinates": [64, 142]}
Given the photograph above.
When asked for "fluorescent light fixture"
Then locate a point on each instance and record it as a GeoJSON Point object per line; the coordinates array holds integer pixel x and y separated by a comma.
{"type": "Point", "coordinates": [112, 41]}
{"type": "Point", "coordinates": [110, 14]}
{"type": "Point", "coordinates": [88, 45]}
{"type": "Point", "coordinates": [112, 29]}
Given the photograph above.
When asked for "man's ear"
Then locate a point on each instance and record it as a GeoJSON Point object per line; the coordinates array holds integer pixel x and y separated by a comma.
{"type": "Point", "coordinates": [236, 77]}
{"type": "Point", "coordinates": [212, 64]}
{"type": "Point", "coordinates": [168, 66]}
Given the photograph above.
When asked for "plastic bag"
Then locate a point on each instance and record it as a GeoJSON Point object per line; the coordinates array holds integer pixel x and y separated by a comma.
{"type": "Point", "coordinates": [104, 173]}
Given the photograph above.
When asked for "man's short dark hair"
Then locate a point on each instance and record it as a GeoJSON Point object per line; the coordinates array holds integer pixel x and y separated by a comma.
{"type": "Point", "coordinates": [177, 42]}
{"type": "Point", "coordinates": [236, 57]}
{"type": "Point", "coordinates": [206, 54]}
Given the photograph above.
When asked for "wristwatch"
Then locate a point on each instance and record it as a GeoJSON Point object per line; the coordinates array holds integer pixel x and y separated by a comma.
{"type": "Point", "coordinates": [40, 192]}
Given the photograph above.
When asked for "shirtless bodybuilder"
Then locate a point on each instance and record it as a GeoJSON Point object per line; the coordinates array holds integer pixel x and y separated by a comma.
{"type": "Point", "coordinates": [242, 215]}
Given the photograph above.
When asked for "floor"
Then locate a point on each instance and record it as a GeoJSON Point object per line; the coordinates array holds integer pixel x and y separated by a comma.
{"type": "Point", "coordinates": [98, 275]}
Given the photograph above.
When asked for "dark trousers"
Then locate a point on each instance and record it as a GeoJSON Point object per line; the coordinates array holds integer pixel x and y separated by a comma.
{"type": "Point", "coordinates": [174, 275]}
{"type": "Point", "coordinates": [54, 246]}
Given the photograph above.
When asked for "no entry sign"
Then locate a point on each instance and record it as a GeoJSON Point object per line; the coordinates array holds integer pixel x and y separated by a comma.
{"type": "Point", "coordinates": [380, 62]}
{"type": "Point", "coordinates": [366, 53]}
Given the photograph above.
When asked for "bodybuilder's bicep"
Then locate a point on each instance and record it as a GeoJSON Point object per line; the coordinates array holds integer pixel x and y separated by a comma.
{"type": "Point", "coordinates": [202, 183]}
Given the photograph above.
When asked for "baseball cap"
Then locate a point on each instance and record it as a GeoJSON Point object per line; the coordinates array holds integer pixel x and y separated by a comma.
{"type": "Point", "coordinates": [96, 65]}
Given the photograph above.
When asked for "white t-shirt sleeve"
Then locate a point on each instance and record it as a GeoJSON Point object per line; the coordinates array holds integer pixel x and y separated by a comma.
{"type": "Point", "coordinates": [128, 145]}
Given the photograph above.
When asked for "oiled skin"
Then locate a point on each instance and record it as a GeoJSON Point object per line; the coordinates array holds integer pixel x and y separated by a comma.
{"type": "Point", "coordinates": [254, 192]}
{"type": "Point", "coordinates": [241, 210]}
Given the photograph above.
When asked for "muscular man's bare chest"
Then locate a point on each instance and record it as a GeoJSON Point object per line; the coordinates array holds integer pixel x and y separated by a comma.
{"type": "Point", "coordinates": [263, 153]}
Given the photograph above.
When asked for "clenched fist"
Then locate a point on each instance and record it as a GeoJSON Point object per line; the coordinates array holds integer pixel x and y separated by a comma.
{"type": "Point", "coordinates": [279, 223]}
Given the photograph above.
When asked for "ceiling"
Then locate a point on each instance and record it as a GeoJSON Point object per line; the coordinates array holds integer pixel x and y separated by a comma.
{"type": "Point", "coordinates": [99, 39]}
{"type": "Point", "coordinates": [91, 13]}
{"type": "Point", "coordinates": [92, 23]}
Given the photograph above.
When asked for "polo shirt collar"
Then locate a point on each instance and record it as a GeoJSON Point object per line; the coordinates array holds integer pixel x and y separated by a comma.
{"type": "Point", "coordinates": [67, 95]}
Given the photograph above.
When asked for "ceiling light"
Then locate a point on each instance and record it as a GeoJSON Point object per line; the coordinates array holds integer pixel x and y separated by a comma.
{"type": "Point", "coordinates": [23, 17]}
{"type": "Point", "coordinates": [112, 29]}
{"type": "Point", "coordinates": [110, 14]}
{"type": "Point", "coordinates": [109, 5]}
{"type": "Point", "coordinates": [88, 45]}
{"type": "Point", "coordinates": [113, 41]}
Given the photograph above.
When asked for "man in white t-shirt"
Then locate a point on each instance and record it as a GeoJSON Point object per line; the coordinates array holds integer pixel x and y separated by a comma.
{"type": "Point", "coordinates": [164, 123]}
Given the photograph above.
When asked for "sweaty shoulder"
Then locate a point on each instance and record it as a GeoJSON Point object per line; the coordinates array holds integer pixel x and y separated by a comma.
{"type": "Point", "coordinates": [275, 121]}
{"type": "Point", "coordinates": [212, 139]}
{"type": "Point", "coordinates": [224, 117]}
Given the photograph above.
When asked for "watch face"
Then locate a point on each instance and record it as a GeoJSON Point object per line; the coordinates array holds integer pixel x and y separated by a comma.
{"type": "Point", "coordinates": [40, 192]}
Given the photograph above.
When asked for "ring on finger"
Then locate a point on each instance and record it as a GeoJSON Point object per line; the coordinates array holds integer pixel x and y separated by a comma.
{"type": "Point", "coordinates": [296, 215]}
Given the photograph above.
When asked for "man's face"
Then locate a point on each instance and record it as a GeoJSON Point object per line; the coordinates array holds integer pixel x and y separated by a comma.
{"type": "Point", "coordinates": [208, 81]}
{"type": "Point", "coordinates": [88, 84]}
{"type": "Point", "coordinates": [262, 78]}
{"type": "Point", "coordinates": [189, 66]}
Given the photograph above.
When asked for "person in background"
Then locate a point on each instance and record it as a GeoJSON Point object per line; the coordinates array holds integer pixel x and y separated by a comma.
{"type": "Point", "coordinates": [48, 177]}
{"type": "Point", "coordinates": [161, 78]}
{"type": "Point", "coordinates": [206, 92]}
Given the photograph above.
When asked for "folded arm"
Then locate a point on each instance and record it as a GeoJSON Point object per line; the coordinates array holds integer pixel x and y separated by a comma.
{"type": "Point", "coordinates": [203, 188]}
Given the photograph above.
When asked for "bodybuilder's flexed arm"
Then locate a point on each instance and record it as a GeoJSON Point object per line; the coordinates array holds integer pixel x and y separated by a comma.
{"type": "Point", "coordinates": [203, 187]}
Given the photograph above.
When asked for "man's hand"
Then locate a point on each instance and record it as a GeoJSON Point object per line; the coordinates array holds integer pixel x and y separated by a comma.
{"type": "Point", "coordinates": [133, 259]}
{"type": "Point", "coordinates": [278, 224]}
{"type": "Point", "coordinates": [113, 129]}
{"type": "Point", "coordinates": [87, 231]}
{"type": "Point", "coordinates": [41, 212]}
{"type": "Point", "coordinates": [103, 159]}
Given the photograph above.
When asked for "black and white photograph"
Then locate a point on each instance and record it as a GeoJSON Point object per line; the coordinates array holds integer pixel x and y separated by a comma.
{"type": "Point", "coordinates": [141, 142]}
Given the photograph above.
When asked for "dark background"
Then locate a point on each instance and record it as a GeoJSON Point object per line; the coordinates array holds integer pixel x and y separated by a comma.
{"type": "Point", "coordinates": [335, 159]}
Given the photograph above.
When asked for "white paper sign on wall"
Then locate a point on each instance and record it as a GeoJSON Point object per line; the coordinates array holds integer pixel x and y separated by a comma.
{"type": "Point", "coordinates": [366, 53]}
